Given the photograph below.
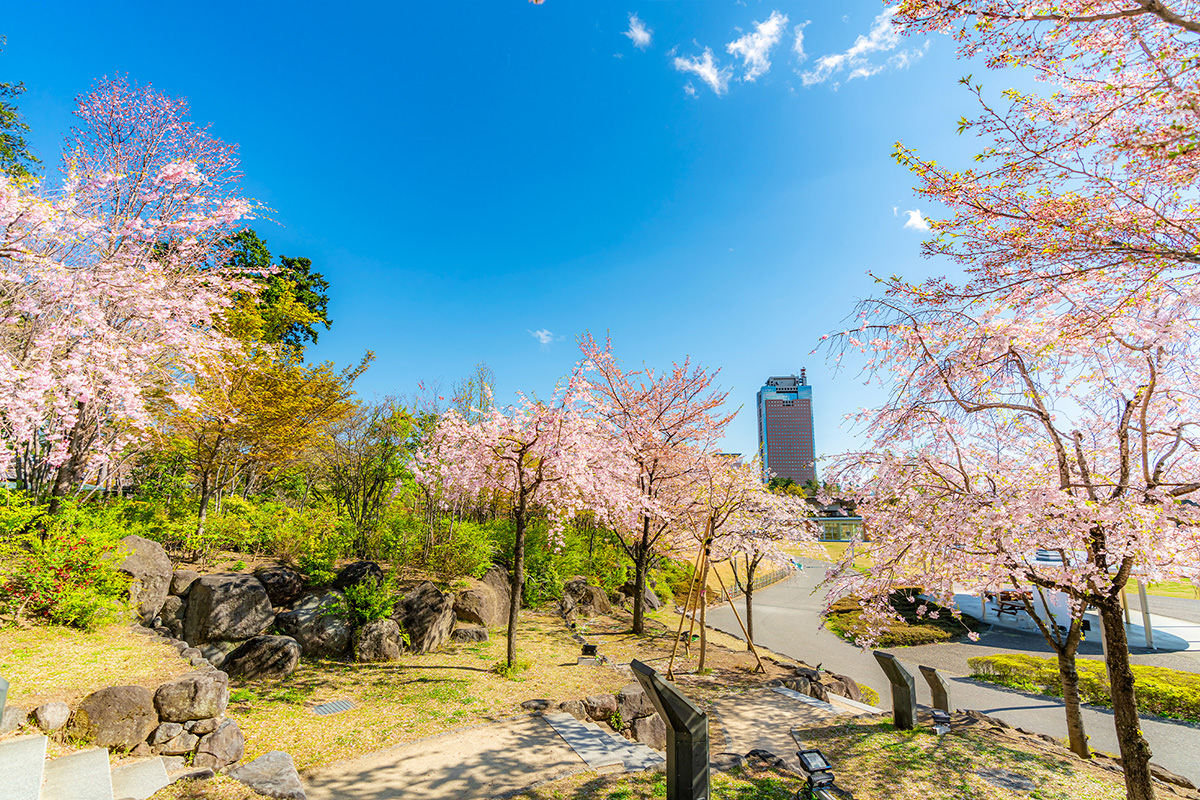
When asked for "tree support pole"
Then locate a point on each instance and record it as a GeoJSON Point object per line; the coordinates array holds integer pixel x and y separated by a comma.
{"type": "Point", "coordinates": [738, 617]}
{"type": "Point", "coordinates": [686, 602]}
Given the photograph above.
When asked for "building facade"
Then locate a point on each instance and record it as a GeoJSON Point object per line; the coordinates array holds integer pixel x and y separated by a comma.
{"type": "Point", "coordinates": [785, 428]}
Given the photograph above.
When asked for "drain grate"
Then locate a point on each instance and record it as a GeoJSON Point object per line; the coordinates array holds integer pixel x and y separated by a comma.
{"type": "Point", "coordinates": [334, 707]}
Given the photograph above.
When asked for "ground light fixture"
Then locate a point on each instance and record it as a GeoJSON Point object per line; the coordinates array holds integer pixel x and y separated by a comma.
{"type": "Point", "coordinates": [941, 721]}
{"type": "Point", "coordinates": [589, 650]}
{"type": "Point", "coordinates": [820, 771]}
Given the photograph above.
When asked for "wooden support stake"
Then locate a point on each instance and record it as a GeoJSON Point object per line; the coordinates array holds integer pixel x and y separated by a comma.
{"type": "Point", "coordinates": [738, 617]}
{"type": "Point", "coordinates": [686, 602]}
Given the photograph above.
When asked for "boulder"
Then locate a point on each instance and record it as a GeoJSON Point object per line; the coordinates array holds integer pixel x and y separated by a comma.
{"type": "Point", "coordinates": [283, 584]}
{"type": "Point", "coordinates": [215, 652]}
{"type": "Point", "coordinates": [427, 615]}
{"type": "Point", "coordinates": [49, 717]}
{"type": "Point", "coordinates": [173, 610]}
{"type": "Point", "coordinates": [480, 605]}
{"type": "Point", "coordinates": [469, 633]}
{"type": "Point", "coordinates": [377, 640]}
{"type": "Point", "coordinates": [272, 774]}
{"type": "Point", "coordinates": [321, 630]}
{"type": "Point", "coordinates": [633, 703]}
{"type": "Point", "coordinates": [12, 718]}
{"type": "Point", "coordinates": [182, 580]}
{"type": "Point", "coordinates": [222, 747]}
{"type": "Point", "coordinates": [536, 704]}
{"type": "Point", "coordinates": [226, 607]}
{"type": "Point", "coordinates": [590, 601]}
{"type": "Point", "coordinates": [200, 727]}
{"type": "Point", "coordinates": [180, 745]}
{"type": "Point", "coordinates": [652, 602]}
{"type": "Point", "coordinates": [575, 708]}
{"type": "Point", "coordinates": [118, 717]}
{"type": "Point", "coordinates": [356, 573]}
{"type": "Point", "coordinates": [600, 707]}
{"type": "Point", "coordinates": [264, 657]}
{"type": "Point", "coordinates": [196, 695]}
{"type": "Point", "coordinates": [650, 731]}
{"type": "Point", "coordinates": [148, 565]}
{"type": "Point", "coordinates": [849, 687]}
{"type": "Point", "coordinates": [165, 732]}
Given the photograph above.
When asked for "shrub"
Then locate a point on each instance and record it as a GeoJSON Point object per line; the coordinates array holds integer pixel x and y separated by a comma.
{"type": "Point", "coordinates": [1162, 691]}
{"type": "Point", "coordinates": [368, 601]}
{"type": "Point", "coordinates": [845, 619]}
{"type": "Point", "coordinates": [67, 576]}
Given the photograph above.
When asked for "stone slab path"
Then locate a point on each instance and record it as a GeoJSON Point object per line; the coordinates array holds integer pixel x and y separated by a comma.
{"type": "Point", "coordinates": [482, 762]}
{"type": "Point", "coordinates": [763, 719]}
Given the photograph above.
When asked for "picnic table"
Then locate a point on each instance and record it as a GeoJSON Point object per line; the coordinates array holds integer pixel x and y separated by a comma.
{"type": "Point", "coordinates": [1009, 602]}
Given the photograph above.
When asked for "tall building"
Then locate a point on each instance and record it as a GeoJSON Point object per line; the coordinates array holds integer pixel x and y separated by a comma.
{"type": "Point", "coordinates": [785, 428]}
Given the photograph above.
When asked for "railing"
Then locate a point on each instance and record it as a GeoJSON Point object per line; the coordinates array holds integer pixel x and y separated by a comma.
{"type": "Point", "coordinates": [762, 581]}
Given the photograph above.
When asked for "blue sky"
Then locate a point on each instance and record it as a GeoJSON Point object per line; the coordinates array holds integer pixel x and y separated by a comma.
{"type": "Point", "coordinates": [482, 181]}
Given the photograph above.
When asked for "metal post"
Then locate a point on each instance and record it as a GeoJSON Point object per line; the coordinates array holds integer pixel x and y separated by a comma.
{"type": "Point", "coordinates": [687, 735]}
{"type": "Point", "coordinates": [1146, 614]}
{"type": "Point", "coordinates": [939, 690]}
{"type": "Point", "coordinates": [1125, 605]}
{"type": "Point", "coordinates": [904, 691]}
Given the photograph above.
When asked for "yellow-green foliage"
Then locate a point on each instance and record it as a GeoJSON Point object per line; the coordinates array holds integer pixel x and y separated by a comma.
{"type": "Point", "coordinates": [1162, 691]}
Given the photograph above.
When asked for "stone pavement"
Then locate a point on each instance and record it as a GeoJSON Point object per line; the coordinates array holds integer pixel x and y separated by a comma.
{"type": "Point", "coordinates": [480, 762]}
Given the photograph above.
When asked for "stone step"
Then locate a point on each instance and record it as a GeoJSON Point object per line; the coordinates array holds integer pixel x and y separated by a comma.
{"type": "Point", "coordinates": [811, 701]}
{"type": "Point", "coordinates": [22, 763]}
{"type": "Point", "coordinates": [139, 780]}
{"type": "Point", "coordinates": [587, 740]}
{"type": "Point", "coordinates": [78, 776]}
{"type": "Point", "coordinates": [637, 756]}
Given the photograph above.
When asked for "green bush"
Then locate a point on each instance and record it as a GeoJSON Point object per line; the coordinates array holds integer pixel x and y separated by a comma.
{"type": "Point", "coordinates": [368, 601]}
{"type": "Point", "coordinates": [68, 575]}
{"type": "Point", "coordinates": [1162, 691]}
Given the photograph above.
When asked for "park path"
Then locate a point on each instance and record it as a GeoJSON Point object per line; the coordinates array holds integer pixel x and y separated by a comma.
{"type": "Point", "coordinates": [787, 620]}
{"type": "Point", "coordinates": [484, 761]}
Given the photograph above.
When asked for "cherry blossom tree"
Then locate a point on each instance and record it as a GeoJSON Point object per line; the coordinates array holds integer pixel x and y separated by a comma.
{"type": "Point", "coordinates": [540, 458]}
{"type": "Point", "coordinates": [110, 283]}
{"type": "Point", "coordinates": [659, 418]}
{"type": "Point", "coordinates": [1063, 428]}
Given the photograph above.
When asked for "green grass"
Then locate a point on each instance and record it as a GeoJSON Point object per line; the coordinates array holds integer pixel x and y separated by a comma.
{"type": "Point", "coordinates": [1162, 691]}
{"type": "Point", "coordinates": [845, 619]}
{"type": "Point", "coordinates": [1184, 589]}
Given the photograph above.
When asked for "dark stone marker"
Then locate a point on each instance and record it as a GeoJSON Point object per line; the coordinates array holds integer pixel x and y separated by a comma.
{"type": "Point", "coordinates": [687, 735]}
{"type": "Point", "coordinates": [938, 688]}
{"type": "Point", "coordinates": [904, 691]}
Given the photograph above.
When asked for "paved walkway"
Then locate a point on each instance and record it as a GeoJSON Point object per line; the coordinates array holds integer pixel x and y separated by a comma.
{"type": "Point", "coordinates": [763, 720]}
{"type": "Point", "coordinates": [481, 762]}
{"type": "Point", "coordinates": [787, 620]}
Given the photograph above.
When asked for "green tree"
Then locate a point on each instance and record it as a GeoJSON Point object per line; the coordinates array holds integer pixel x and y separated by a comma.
{"type": "Point", "coordinates": [15, 159]}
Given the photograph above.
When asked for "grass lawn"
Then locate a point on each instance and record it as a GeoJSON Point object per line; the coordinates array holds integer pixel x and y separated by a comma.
{"type": "Point", "coordinates": [845, 619]}
{"type": "Point", "coordinates": [874, 761]}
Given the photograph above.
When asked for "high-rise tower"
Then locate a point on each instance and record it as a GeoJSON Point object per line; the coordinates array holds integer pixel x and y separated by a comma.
{"type": "Point", "coordinates": [785, 428]}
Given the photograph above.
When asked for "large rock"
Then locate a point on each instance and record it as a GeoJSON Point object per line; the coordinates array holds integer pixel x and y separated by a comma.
{"type": "Point", "coordinates": [356, 573]}
{"type": "Point", "coordinates": [182, 580]}
{"type": "Point", "coordinates": [272, 774]}
{"type": "Point", "coordinates": [12, 718]}
{"type": "Point", "coordinates": [321, 631]}
{"type": "Point", "coordinates": [222, 747]}
{"type": "Point", "coordinates": [264, 657]}
{"type": "Point", "coordinates": [650, 731]}
{"type": "Point", "coordinates": [845, 686]}
{"type": "Point", "coordinates": [469, 633]}
{"type": "Point", "coordinates": [215, 652]}
{"type": "Point", "coordinates": [427, 616]}
{"type": "Point", "coordinates": [196, 695]}
{"type": "Point", "coordinates": [652, 601]}
{"type": "Point", "coordinates": [49, 717]}
{"type": "Point", "coordinates": [148, 565]}
{"type": "Point", "coordinates": [600, 707]}
{"type": "Point", "coordinates": [119, 717]}
{"type": "Point", "coordinates": [173, 612]}
{"type": "Point", "coordinates": [633, 703]}
{"type": "Point", "coordinates": [180, 745]}
{"type": "Point", "coordinates": [480, 606]}
{"type": "Point", "coordinates": [226, 607]}
{"type": "Point", "coordinates": [283, 584]}
{"type": "Point", "coordinates": [378, 640]}
{"type": "Point", "coordinates": [590, 601]}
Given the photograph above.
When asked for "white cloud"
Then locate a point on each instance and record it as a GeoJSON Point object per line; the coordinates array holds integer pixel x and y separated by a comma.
{"type": "Point", "coordinates": [755, 47]}
{"type": "Point", "coordinates": [916, 221]}
{"type": "Point", "coordinates": [689, 89]}
{"type": "Point", "coordinates": [543, 336]}
{"type": "Point", "coordinates": [638, 33]}
{"type": "Point", "coordinates": [706, 69]}
{"type": "Point", "coordinates": [798, 43]}
{"type": "Point", "coordinates": [858, 61]}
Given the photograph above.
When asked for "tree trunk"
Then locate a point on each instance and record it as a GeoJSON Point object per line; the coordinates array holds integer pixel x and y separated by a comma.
{"type": "Point", "coordinates": [518, 582]}
{"type": "Point", "coordinates": [751, 566]}
{"type": "Point", "coordinates": [703, 612]}
{"type": "Point", "coordinates": [1069, 675]}
{"type": "Point", "coordinates": [205, 496]}
{"type": "Point", "coordinates": [66, 470]}
{"type": "Point", "coordinates": [1135, 750]}
{"type": "Point", "coordinates": [640, 561]}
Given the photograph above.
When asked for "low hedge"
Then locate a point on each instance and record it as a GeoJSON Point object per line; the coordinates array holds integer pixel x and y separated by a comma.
{"type": "Point", "coordinates": [1162, 691]}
